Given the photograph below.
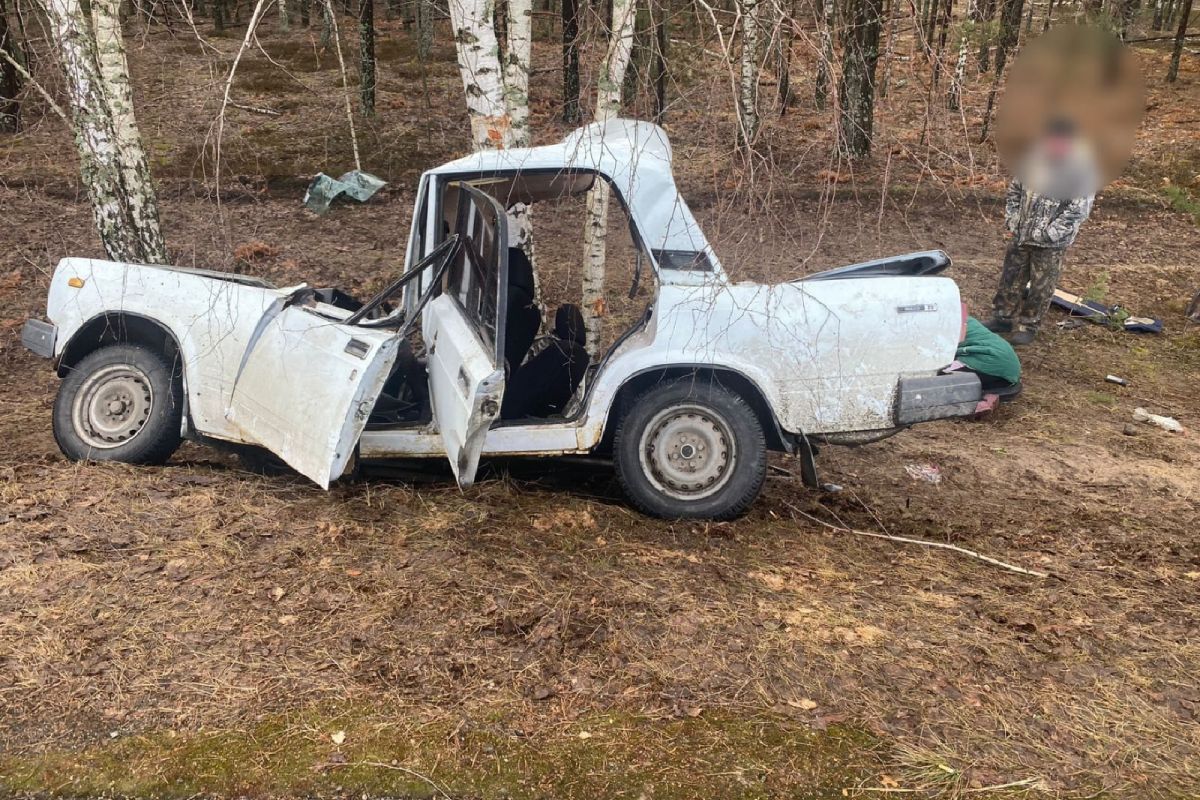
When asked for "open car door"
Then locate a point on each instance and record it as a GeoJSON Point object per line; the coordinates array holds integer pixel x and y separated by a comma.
{"type": "Point", "coordinates": [307, 384]}
{"type": "Point", "coordinates": [463, 328]}
{"type": "Point", "coordinates": [308, 379]}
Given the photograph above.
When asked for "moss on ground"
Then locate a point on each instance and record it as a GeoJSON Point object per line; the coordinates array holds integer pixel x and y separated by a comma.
{"type": "Point", "coordinates": [714, 755]}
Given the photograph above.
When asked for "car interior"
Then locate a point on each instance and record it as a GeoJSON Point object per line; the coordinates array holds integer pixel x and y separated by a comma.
{"type": "Point", "coordinates": [545, 365]}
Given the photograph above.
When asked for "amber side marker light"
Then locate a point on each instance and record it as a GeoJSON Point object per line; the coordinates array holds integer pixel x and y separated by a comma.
{"type": "Point", "coordinates": [75, 283]}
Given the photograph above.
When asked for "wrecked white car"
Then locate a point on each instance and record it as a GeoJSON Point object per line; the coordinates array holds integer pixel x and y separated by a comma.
{"type": "Point", "coordinates": [442, 363]}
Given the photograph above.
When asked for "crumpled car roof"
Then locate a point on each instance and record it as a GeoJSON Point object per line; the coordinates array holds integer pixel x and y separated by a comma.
{"type": "Point", "coordinates": [635, 156]}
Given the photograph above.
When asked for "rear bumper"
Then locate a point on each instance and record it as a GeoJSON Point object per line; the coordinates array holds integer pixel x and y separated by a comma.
{"type": "Point", "coordinates": [39, 337]}
{"type": "Point", "coordinates": [937, 397]}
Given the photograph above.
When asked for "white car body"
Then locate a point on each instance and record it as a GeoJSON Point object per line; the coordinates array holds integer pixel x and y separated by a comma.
{"type": "Point", "coordinates": [835, 357]}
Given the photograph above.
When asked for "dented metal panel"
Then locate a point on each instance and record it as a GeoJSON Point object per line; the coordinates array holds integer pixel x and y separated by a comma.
{"type": "Point", "coordinates": [465, 385]}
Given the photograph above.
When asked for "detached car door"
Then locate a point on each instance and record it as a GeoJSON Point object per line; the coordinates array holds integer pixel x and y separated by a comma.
{"type": "Point", "coordinates": [307, 384]}
{"type": "Point", "coordinates": [463, 328]}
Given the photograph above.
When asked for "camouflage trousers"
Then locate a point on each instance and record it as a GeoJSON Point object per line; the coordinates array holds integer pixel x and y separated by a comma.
{"type": "Point", "coordinates": [1027, 283]}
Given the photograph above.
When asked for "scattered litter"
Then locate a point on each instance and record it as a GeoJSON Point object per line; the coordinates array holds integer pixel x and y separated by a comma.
{"type": "Point", "coordinates": [1166, 423]}
{"type": "Point", "coordinates": [1116, 380]}
{"type": "Point", "coordinates": [1097, 312]}
{"type": "Point", "coordinates": [356, 184]}
{"type": "Point", "coordinates": [338, 738]}
{"type": "Point", "coordinates": [987, 404]}
{"type": "Point", "coordinates": [924, 472]}
{"type": "Point", "coordinates": [832, 488]}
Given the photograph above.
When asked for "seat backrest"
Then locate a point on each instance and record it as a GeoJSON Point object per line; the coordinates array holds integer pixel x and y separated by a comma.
{"type": "Point", "coordinates": [569, 325]}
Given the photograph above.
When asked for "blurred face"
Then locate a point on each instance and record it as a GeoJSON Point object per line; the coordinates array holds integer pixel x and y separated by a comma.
{"type": "Point", "coordinates": [1070, 112]}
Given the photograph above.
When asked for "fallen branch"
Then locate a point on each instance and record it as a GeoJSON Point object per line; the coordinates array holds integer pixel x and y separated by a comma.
{"type": "Point", "coordinates": [270, 112]}
{"type": "Point", "coordinates": [55, 107]}
{"type": "Point", "coordinates": [922, 542]}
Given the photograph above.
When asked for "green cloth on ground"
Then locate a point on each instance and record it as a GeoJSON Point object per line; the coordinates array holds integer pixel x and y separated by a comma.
{"type": "Point", "coordinates": [988, 354]}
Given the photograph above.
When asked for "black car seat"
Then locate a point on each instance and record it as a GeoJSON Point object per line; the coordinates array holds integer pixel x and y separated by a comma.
{"type": "Point", "coordinates": [545, 384]}
{"type": "Point", "coordinates": [522, 320]}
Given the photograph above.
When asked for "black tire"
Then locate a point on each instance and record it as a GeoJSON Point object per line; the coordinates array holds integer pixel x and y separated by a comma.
{"type": "Point", "coordinates": [721, 474]}
{"type": "Point", "coordinates": [123, 402]}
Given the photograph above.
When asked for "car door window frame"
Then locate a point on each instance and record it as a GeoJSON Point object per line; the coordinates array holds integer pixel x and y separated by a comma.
{"type": "Point", "coordinates": [465, 228]}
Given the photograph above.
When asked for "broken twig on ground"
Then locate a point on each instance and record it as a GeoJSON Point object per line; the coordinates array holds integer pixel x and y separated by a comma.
{"type": "Point", "coordinates": [923, 542]}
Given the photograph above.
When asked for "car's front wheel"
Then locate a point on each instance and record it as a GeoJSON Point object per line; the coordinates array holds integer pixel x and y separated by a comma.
{"type": "Point", "coordinates": [691, 449]}
{"type": "Point", "coordinates": [122, 402]}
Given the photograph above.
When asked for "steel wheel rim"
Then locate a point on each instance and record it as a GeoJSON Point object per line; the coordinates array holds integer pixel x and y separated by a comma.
{"type": "Point", "coordinates": [112, 406]}
{"type": "Point", "coordinates": [688, 452]}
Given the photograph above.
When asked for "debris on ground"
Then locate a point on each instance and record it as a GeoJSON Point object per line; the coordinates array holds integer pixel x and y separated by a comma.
{"type": "Point", "coordinates": [356, 184]}
{"type": "Point", "coordinates": [1095, 311]}
{"type": "Point", "coordinates": [1166, 423]}
{"type": "Point", "coordinates": [924, 472]}
{"type": "Point", "coordinates": [1117, 380]}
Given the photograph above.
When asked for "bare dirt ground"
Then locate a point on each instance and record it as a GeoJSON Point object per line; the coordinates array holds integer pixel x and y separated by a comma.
{"type": "Point", "coordinates": [199, 629]}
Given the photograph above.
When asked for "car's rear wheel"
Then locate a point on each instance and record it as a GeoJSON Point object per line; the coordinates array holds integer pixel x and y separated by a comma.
{"type": "Point", "coordinates": [691, 449]}
{"type": "Point", "coordinates": [122, 402]}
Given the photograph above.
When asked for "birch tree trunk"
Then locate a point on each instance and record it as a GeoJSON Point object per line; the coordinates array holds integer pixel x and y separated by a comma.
{"type": "Point", "coordinates": [99, 165]}
{"type": "Point", "coordinates": [748, 119]}
{"type": "Point", "coordinates": [285, 21]}
{"type": "Point", "coordinates": [141, 199]}
{"type": "Point", "coordinates": [825, 59]}
{"type": "Point", "coordinates": [479, 67]}
{"type": "Point", "coordinates": [954, 95]}
{"type": "Point", "coordinates": [783, 61]}
{"type": "Point", "coordinates": [516, 69]}
{"type": "Point", "coordinates": [595, 229]}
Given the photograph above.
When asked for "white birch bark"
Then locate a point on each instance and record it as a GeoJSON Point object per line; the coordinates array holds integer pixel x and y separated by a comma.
{"type": "Point", "coordinates": [140, 197]}
{"type": "Point", "coordinates": [516, 69]}
{"type": "Point", "coordinates": [285, 21]}
{"type": "Point", "coordinates": [479, 67]}
{"type": "Point", "coordinates": [748, 118]}
{"type": "Point", "coordinates": [95, 140]}
{"type": "Point", "coordinates": [608, 107]}
{"type": "Point", "coordinates": [954, 96]}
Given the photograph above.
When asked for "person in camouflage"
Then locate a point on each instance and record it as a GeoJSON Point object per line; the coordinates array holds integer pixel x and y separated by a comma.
{"type": "Point", "coordinates": [1041, 230]}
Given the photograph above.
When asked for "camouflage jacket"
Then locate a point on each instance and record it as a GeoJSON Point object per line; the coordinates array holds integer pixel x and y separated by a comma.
{"type": "Point", "coordinates": [1043, 221]}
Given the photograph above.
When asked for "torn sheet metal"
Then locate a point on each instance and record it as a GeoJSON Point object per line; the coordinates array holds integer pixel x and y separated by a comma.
{"type": "Point", "coordinates": [323, 190]}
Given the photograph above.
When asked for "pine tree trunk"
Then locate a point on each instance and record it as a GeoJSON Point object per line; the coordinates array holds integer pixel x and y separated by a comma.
{"type": "Point", "coordinates": [305, 12]}
{"type": "Point", "coordinates": [1185, 14]}
{"type": "Point", "coordinates": [783, 64]}
{"type": "Point", "coordinates": [1010, 32]}
{"type": "Point", "coordinates": [423, 14]}
{"type": "Point", "coordinates": [95, 141]}
{"type": "Point", "coordinates": [987, 10]}
{"type": "Point", "coordinates": [218, 15]}
{"type": "Point", "coordinates": [516, 69]}
{"type": "Point", "coordinates": [856, 95]}
{"type": "Point", "coordinates": [366, 56]}
{"type": "Point", "coordinates": [1157, 23]}
{"type": "Point", "coordinates": [825, 59]}
{"type": "Point", "coordinates": [479, 67]}
{"type": "Point", "coordinates": [570, 59]}
{"type": "Point", "coordinates": [595, 230]}
{"type": "Point", "coordinates": [1050, 13]}
{"type": "Point", "coordinates": [748, 118]}
{"type": "Point", "coordinates": [10, 79]}
{"type": "Point", "coordinates": [662, 37]}
{"type": "Point", "coordinates": [889, 50]}
{"type": "Point", "coordinates": [943, 30]}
